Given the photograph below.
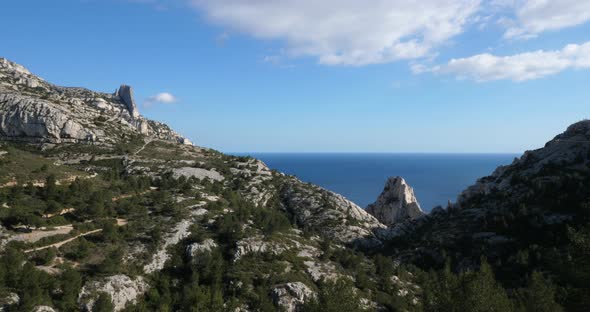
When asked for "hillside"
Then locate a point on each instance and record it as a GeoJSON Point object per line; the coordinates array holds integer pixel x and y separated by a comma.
{"type": "Point", "coordinates": [102, 209]}
{"type": "Point", "coordinates": [139, 209]}
{"type": "Point", "coordinates": [530, 216]}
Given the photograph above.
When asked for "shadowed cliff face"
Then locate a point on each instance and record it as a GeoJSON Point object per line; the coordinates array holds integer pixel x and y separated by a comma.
{"type": "Point", "coordinates": [530, 203]}
{"type": "Point", "coordinates": [125, 92]}
{"type": "Point", "coordinates": [397, 203]}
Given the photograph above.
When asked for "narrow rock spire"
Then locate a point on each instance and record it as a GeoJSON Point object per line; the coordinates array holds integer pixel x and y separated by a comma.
{"type": "Point", "coordinates": [396, 203]}
{"type": "Point", "coordinates": [125, 92]}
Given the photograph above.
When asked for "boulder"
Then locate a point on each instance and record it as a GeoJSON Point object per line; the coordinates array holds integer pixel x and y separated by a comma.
{"type": "Point", "coordinates": [9, 299]}
{"type": "Point", "coordinates": [291, 296]}
{"type": "Point", "coordinates": [206, 246]}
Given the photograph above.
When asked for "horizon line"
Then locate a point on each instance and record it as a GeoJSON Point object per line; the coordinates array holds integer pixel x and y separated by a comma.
{"type": "Point", "coordinates": [384, 153]}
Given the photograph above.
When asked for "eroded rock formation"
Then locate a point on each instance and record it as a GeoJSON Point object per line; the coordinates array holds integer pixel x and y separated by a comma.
{"type": "Point", "coordinates": [396, 203]}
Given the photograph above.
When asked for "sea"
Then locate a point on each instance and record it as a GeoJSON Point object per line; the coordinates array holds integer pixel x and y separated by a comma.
{"type": "Point", "coordinates": [435, 178]}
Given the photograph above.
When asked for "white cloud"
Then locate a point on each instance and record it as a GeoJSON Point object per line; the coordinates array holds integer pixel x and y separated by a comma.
{"type": "Point", "coordinates": [347, 32]}
{"type": "Point", "coordinates": [532, 17]}
{"type": "Point", "coordinates": [518, 67]}
{"type": "Point", "coordinates": [160, 98]}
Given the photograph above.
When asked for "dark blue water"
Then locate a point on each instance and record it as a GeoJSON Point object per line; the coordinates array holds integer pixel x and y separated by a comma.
{"type": "Point", "coordinates": [436, 178]}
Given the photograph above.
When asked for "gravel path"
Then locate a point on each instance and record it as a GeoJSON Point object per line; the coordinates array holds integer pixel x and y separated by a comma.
{"type": "Point", "coordinates": [59, 244]}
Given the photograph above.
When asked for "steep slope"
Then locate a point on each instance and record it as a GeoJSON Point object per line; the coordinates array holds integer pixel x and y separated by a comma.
{"type": "Point", "coordinates": [101, 208]}
{"type": "Point", "coordinates": [532, 215]}
{"type": "Point", "coordinates": [34, 110]}
{"type": "Point", "coordinates": [98, 197]}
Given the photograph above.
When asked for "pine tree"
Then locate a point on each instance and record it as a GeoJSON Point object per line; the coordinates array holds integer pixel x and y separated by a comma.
{"type": "Point", "coordinates": [337, 296]}
{"type": "Point", "coordinates": [31, 292]}
{"type": "Point", "coordinates": [103, 303]}
{"type": "Point", "coordinates": [540, 295]}
{"type": "Point", "coordinates": [71, 282]}
{"type": "Point", "coordinates": [483, 293]}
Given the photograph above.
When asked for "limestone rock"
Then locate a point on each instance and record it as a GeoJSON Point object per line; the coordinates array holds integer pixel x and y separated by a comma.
{"type": "Point", "coordinates": [8, 300]}
{"type": "Point", "coordinates": [396, 203]}
{"type": "Point", "coordinates": [125, 92]}
{"type": "Point", "coordinates": [101, 104]}
{"type": "Point", "coordinates": [291, 296]}
{"type": "Point", "coordinates": [206, 246]}
{"type": "Point", "coordinates": [26, 117]}
{"type": "Point", "coordinates": [198, 173]}
{"type": "Point", "coordinates": [19, 75]}
{"type": "Point", "coordinates": [122, 289]}
{"type": "Point", "coordinates": [180, 231]}
{"type": "Point", "coordinates": [257, 244]}
{"type": "Point", "coordinates": [34, 110]}
{"type": "Point", "coordinates": [332, 215]}
{"type": "Point", "coordinates": [43, 308]}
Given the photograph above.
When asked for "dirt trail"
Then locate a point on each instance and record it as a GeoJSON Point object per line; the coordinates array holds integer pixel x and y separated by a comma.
{"type": "Point", "coordinates": [37, 235]}
{"type": "Point", "coordinates": [148, 141]}
{"type": "Point", "coordinates": [59, 244]}
{"type": "Point", "coordinates": [120, 222]}
{"type": "Point", "coordinates": [124, 196]}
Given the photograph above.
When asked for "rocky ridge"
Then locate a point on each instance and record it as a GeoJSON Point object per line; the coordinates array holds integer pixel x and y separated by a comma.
{"type": "Point", "coordinates": [34, 110]}
{"type": "Point", "coordinates": [527, 202]}
{"type": "Point", "coordinates": [332, 215]}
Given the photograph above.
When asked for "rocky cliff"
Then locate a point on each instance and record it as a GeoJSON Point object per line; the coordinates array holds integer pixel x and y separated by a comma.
{"type": "Point", "coordinates": [397, 203]}
{"type": "Point", "coordinates": [34, 110]}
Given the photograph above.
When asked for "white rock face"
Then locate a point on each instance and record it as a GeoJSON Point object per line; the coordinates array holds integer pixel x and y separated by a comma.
{"type": "Point", "coordinates": [321, 270]}
{"type": "Point", "coordinates": [43, 309]}
{"type": "Point", "coordinates": [396, 203]}
{"type": "Point", "coordinates": [257, 245]}
{"type": "Point", "coordinates": [315, 207]}
{"type": "Point", "coordinates": [291, 296]}
{"type": "Point", "coordinates": [23, 116]}
{"type": "Point", "coordinates": [180, 231]}
{"type": "Point", "coordinates": [198, 173]}
{"type": "Point", "coordinates": [122, 289]}
{"type": "Point", "coordinates": [9, 299]}
{"type": "Point", "coordinates": [206, 246]}
{"type": "Point", "coordinates": [32, 109]}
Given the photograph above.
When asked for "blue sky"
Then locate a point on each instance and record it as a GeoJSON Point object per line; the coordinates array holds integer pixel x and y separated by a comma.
{"type": "Point", "coordinates": [323, 76]}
